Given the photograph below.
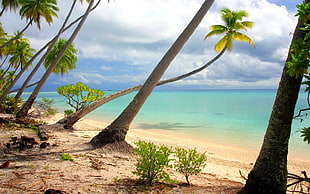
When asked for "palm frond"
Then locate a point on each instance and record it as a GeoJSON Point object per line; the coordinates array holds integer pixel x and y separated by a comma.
{"type": "Point", "coordinates": [221, 44]}
{"type": "Point", "coordinates": [242, 37]}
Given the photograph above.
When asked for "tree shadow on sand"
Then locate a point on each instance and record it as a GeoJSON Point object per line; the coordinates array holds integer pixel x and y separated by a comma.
{"type": "Point", "coordinates": [166, 126]}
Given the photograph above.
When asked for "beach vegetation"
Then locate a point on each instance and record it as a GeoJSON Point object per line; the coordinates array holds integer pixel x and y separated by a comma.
{"type": "Point", "coordinates": [68, 112]}
{"type": "Point", "coordinates": [35, 11]}
{"type": "Point", "coordinates": [189, 162]}
{"type": "Point", "coordinates": [305, 133]}
{"type": "Point", "coordinates": [152, 162]}
{"type": "Point", "coordinates": [10, 105]}
{"type": "Point", "coordinates": [66, 157]}
{"type": "Point", "coordinates": [48, 104]}
{"type": "Point", "coordinates": [79, 95]}
{"type": "Point", "coordinates": [269, 174]}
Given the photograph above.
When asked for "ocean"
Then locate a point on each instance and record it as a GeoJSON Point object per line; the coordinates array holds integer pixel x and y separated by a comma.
{"type": "Point", "coordinates": [237, 118]}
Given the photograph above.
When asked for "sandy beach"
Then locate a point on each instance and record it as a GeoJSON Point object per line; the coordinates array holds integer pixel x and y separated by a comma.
{"type": "Point", "coordinates": [98, 171]}
{"type": "Point", "coordinates": [223, 161]}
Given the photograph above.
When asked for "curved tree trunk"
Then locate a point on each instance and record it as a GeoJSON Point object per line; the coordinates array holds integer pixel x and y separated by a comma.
{"type": "Point", "coordinates": [27, 105]}
{"type": "Point", "coordinates": [70, 120]}
{"type": "Point", "coordinates": [117, 130]}
{"type": "Point", "coordinates": [269, 174]}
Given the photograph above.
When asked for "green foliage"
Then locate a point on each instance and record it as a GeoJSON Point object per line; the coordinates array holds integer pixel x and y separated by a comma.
{"type": "Point", "coordinates": [67, 61]}
{"type": "Point", "coordinates": [49, 106]}
{"type": "Point", "coordinates": [79, 95]}
{"type": "Point", "coordinates": [66, 157]}
{"type": "Point", "coordinates": [305, 133]}
{"type": "Point", "coordinates": [299, 50]}
{"type": "Point", "coordinates": [233, 24]}
{"type": "Point", "coordinates": [9, 105]}
{"type": "Point", "coordinates": [303, 11]}
{"type": "Point", "coordinates": [152, 161]}
{"type": "Point", "coordinates": [189, 162]}
{"type": "Point", "coordinates": [68, 112]}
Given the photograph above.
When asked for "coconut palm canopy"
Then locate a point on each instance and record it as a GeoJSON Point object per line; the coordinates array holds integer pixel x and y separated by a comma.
{"type": "Point", "coordinates": [232, 25]}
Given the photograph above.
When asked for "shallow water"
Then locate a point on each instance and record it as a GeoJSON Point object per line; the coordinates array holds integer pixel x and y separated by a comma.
{"type": "Point", "coordinates": [232, 117]}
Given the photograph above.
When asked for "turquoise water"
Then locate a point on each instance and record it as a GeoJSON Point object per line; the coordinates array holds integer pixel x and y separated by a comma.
{"type": "Point", "coordinates": [236, 118]}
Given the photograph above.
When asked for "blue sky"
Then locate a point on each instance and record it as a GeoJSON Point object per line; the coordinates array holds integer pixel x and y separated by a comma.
{"type": "Point", "coordinates": [122, 41]}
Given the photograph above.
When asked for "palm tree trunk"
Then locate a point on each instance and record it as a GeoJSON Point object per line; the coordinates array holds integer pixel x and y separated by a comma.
{"type": "Point", "coordinates": [17, 35]}
{"type": "Point", "coordinates": [27, 105]}
{"type": "Point", "coordinates": [269, 174]}
{"type": "Point", "coordinates": [50, 44]}
{"type": "Point", "coordinates": [117, 130]}
{"type": "Point", "coordinates": [70, 120]}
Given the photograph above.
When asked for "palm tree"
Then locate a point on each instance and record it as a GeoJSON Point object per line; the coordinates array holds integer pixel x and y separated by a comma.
{"type": "Point", "coordinates": [21, 53]}
{"type": "Point", "coordinates": [68, 60]}
{"type": "Point", "coordinates": [232, 25]}
{"type": "Point", "coordinates": [27, 105]}
{"type": "Point", "coordinates": [34, 10]}
{"type": "Point", "coordinates": [9, 4]}
{"type": "Point", "coordinates": [269, 174]}
{"type": "Point", "coordinates": [50, 44]}
{"type": "Point", "coordinates": [69, 121]}
{"type": "Point", "coordinates": [117, 130]}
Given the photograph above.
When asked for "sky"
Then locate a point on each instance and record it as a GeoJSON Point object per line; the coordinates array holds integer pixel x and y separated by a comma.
{"type": "Point", "coordinates": [122, 41]}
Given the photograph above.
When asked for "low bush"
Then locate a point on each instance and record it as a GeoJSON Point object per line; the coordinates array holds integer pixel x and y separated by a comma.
{"type": "Point", "coordinates": [152, 161]}
{"type": "Point", "coordinates": [189, 162]}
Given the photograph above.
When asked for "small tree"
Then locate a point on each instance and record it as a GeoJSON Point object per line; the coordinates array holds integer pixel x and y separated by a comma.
{"type": "Point", "coordinates": [79, 95]}
{"type": "Point", "coordinates": [152, 161]}
{"type": "Point", "coordinates": [189, 162]}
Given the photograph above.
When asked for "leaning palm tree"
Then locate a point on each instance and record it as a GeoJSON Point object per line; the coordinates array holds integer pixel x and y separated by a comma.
{"type": "Point", "coordinates": [20, 54]}
{"type": "Point", "coordinates": [34, 11]}
{"type": "Point", "coordinates": [117, 130]}
{"type": "Point", "coordinates": [50, 44]}
{"type": "Point", "coordinates": [230, 29]}
{"type": "Point", "coordinates": [23, 112]}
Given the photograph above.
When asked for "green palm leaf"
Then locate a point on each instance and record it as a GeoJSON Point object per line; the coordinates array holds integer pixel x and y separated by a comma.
{"type": "Point", "coordinates": [232, 25]}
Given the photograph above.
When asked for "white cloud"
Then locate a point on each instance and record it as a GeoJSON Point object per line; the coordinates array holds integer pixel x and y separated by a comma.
{"type": "Point", "coordinates": [139, 33]}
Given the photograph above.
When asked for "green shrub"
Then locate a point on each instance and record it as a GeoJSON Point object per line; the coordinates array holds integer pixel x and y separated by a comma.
{"type": "Point", "coordinates": [68, 112]}
{"type": "Point", "coordinates": [79, 95]}
{"type": "Point", "coordinates": [10, 105]}
{"type": "Point", "coordinates": [152, 161]}
{"type": "Point", "coordinates": [49, 106]}
{"type": "Point", "coordinates": [67, 157]}
{"type": "Point", "coordinates": [189, 162]}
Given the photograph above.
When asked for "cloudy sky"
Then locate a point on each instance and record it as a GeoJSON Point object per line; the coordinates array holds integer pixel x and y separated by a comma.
{"type": "Point", "coordinates": [122, 41]}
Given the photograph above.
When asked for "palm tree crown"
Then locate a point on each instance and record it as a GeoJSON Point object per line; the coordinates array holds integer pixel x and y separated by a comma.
{"type": "Point", "coordinates": [35, 9]}
{"type": "Point", "coordinates": [67, 61]}
{"type": "Point", "coordinates": [232, 25]}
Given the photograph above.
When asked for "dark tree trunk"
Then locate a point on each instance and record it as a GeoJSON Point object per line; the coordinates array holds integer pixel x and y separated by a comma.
{"type": "Point", "coordinates": [269, 174]}
{"type": "Point", "coordinates": [118, 128]}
